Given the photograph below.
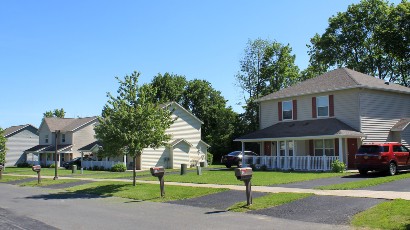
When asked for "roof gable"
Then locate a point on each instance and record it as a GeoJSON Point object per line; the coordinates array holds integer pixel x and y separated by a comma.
{"type": "Point", "coordinates": [168, 104]}
{"type": "Point", "coordinates": [338, 79]}
{"type": "Point", "coordinates": [66, 124]}
{"type": "Point", "coordinates": [15, 129]}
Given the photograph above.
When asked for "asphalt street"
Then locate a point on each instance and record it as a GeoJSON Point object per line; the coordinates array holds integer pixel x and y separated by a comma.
{"type": "Point", "coordinates": [30, 206]}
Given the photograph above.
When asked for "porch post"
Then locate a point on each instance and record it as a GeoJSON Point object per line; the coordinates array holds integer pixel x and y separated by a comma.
{"type": "Point", "coordinates": [125, 160]}
{"type": "Point", "coordinates": [82, 155]}
{"type": "Point", "coordinates": [324, 155]}
{"type": "Point", "coordinates": [340, 150]}
{"type": "Point", "coordinates": [293, 155]}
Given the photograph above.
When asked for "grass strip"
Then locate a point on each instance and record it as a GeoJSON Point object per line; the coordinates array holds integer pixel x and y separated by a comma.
{"type": "Point", "coordinates": [7, 178]}
{"type": "Point", "coordinates": [364, 183]}
{"type": "Point", "coordinates": [46, 182]}
{"type": "Point", "coordinates": [262, 178]}
{"type": "Point", "coordinates": [268, 201]}
{"type": "Point", "coordinates": [143, 192]}
{"type": "Point", "coordinates": [387, 215]}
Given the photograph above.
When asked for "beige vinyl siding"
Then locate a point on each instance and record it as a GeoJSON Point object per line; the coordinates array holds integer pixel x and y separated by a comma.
{"type": "Point", "coordinates": [181, 154]}
{"type": "Point", "coordinates": [68, 138]}
{"type": "Point", "coordinates": [43, 131]}
{"type": "Point", "coordinates": [83, 137]}
{"type": "Point", "coordinates": [380, 111]}
{"type": "Point", "coordinates": [17, 144]}
{"type": "Point", "coordinates": [345, 104]}
{"type": "Point", "coordinates": [269, 113]}
{"type": "Point", "coordinates": [405, 137]}
{"type": "Point", "coordinates": [185, 127]}
{"type": "Point", "coordinates": [155, 157]}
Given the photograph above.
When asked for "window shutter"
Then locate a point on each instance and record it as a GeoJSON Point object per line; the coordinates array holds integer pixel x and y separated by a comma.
{"type": "Point", "coordinates": [295, 110]}
{"type": "Point", "coordinates": [336, 147]}
{"type": "Point", "coordinates": [314, 107]}
{"type": "Point", "coordinates": [280, 110]}
{"type": "Point", "coordinates": [331, 106]}
{"type": "Point", "coordinates": [311, 150]}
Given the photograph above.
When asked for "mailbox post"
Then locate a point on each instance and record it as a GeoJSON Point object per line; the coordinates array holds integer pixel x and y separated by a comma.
{"type": "Point", "coordinates": [245, 175]}
{"type": "Point", "coordinates": [1, 172]}
{"type": "Point", "coordinates": [159, 172]}
{"type": "Point", "coordinates": [37, 169]}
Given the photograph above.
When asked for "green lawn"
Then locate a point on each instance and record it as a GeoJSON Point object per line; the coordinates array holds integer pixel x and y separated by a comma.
{"type": "Point", "coordinates": [388, 215]}
{"type": "Point", "coordinates": [268, 201]}
{"type": "Point", "coordinates": [7, 178]}
{"type": "Point", "coordinates": [144, 192]}
{"type": "Point", "coordinates": [46, 182]}
{"type": "Point", "coordinates": [365, 183]}
{"type": "Point", "coordinates": [259, 177]}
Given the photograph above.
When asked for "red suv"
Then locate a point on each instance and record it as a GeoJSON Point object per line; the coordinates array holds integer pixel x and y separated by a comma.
{"type": "Point", "coordinates": [389, 157]}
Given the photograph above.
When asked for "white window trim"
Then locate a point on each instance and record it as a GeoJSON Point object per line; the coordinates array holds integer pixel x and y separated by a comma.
{"type": "Point", "coordinates": [63, 138]}
{"type": "Point", "coordinates": [317, 106]}
{"type": "Point", "coordinates": [283, 117]}
{"type": "Point", "coordinates": [324, 147]}
{"type": "Point", "coordinates": [46, 139]}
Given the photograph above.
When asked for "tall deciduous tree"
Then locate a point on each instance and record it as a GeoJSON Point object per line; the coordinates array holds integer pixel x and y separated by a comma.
{"type": "Point", "coordinates": [131, 122]}
{"type": "Point", "coordinates": [267, 66]}
{"type": "Point", "coordinates": [56, 113]}
{"type": "Point", "coordinates": [169, 87]}
{"type": "Point", "coordinates": [362, 39]}
{"type": "Point", "coordinates": [2, 147]}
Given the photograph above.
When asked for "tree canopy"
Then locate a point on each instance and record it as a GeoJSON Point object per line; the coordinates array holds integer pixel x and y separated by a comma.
{"type": "Point", "coordinates": [131, 122]}
{"type": "Point", "coordinates": [56, 113]}
{"type": "Point", "coordinates": [371, 37]}
{"type": "Point", "coordinates": [2, 147]}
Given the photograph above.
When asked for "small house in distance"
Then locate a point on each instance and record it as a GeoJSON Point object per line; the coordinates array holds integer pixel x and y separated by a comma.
{"type": "Point", "coordinates": [19, 138]}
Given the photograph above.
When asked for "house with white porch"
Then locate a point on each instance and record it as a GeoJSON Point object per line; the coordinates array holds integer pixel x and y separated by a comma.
{"type": "Point", "coordinates": [185, 146]}
{"type": "Point", "coordinates": [64, 135]}
{"type": "Point", "coordinates": [309, 125]}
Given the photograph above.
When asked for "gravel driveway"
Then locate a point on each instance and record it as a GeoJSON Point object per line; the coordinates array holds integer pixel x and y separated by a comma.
{"type": "Point", "coordinates": [321, 209]}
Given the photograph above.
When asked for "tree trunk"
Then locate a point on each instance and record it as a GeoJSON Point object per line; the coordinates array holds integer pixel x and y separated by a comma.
{"type": "Point", "coordinates": [134, 171]}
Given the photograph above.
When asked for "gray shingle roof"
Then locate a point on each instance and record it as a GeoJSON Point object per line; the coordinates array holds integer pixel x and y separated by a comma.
{"type": "Point", "coordinates": [338, 79]}
{"type": "Point", "coordinates": [308, 128]}
{"type": "Point", "coordinates": [90, 146]}
{"type": "Point", "coordinates": [67, 124]}
{"type": "Point", "coordinates": [14, 129]}
{"type": "Point", "coordinates": [401, 124]}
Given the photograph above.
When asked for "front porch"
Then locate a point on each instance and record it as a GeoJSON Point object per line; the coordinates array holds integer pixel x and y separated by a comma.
{"type": "Point", "coordinates": [303, 145]}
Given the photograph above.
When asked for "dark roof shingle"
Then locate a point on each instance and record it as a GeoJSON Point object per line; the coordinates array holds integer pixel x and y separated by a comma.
{"type": "Point", "coordinates": [67, 124]}
{"type": "Point", "coordinates": [14, 129]}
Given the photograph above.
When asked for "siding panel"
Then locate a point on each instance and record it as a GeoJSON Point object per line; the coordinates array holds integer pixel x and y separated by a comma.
{"type": "Point", "coordinates": [17, 144]}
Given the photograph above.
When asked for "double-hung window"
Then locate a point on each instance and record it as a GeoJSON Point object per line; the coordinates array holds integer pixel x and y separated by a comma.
{"type": "Point", "coordinates": [287, 110]}
{"type": "Point", "coordinates": [322, 104]}
{"type": "Point", "coordinates": [46, 138]}
{"type": "Point", "coordinates": [62, 138]}
{"type": "Point", "coordinates": [325, 147]}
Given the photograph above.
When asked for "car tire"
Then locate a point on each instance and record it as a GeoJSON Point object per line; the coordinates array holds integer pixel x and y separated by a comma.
{"type": "Point", "coordinates": [363, 172]}
{"type": "Point", "coordinates": [228, 166]}
{"type": "Point", "coordinates": [239, 164]}
{"type": "Point", "coordinates": [392, 169]}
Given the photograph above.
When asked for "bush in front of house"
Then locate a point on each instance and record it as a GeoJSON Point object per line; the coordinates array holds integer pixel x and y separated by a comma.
{"type": "Point", "coordinates": [210, 158]}
{"type": "Point", "coordinates": [24, 165]}
{"type": "Point", "coordinates": [118, 168]}
{"type": "Point", "coordinates": [338, 166]}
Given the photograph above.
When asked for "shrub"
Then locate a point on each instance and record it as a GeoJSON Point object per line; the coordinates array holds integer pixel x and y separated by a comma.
{"type": "Point", "coordinates": [52, 165]}
{"type": "Point", "coordinates": [118, 168]}
{"type": "Point", "coordinates": [253, 166]}
{"type": "Point", "coordinates": [96, 168]}
{"type": "Point", "coordinates": [264, 168]}
{"type": "Point", "coordinates": [338, 166]}
{"type": "Point", "coordinates": [24, 165]}
{"type": "Point", "coordinates": [210, 158]}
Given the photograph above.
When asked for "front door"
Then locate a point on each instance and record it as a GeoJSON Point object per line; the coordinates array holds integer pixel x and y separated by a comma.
{"type": "Point", "coordinates": [268, 148]}
{"type": "Point", "coordinates": [351, 152]}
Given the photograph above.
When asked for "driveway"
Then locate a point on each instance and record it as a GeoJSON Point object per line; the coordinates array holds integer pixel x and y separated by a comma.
{"type": "Point", "coordinates": [397, 186]}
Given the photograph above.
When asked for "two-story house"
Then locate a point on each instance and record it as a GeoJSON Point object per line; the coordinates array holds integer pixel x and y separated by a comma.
{"type": "Point", "coordinates": [185, 146]}
{"type": "Point", "coordinates": [309, 125]}
{"type": "Point", "coordinates": [19, 138]}
{"type": "Point", "coordinates": [64, 135]}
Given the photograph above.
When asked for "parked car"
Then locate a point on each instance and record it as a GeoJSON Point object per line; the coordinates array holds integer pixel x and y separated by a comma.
{"type": "Point", "coordinates": [389, 157]}
{"type": "Point", "coordinates": [235, 158]}
{"type": "Point", "coordinates": [75, 161]}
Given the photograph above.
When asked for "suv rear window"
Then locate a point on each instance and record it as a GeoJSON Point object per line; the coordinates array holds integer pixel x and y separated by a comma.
{"type": "Point", "coordinates": [373, 149]}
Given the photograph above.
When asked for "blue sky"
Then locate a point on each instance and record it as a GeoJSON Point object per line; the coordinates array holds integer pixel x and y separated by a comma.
{"type": "Point", "coordinates": [65, 54]}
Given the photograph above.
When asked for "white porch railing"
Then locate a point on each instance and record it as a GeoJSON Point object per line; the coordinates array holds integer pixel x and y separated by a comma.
{"type": "Point", "coordinates": [105, 164]}
{"type": "Point", "coordinates": [306, 163]}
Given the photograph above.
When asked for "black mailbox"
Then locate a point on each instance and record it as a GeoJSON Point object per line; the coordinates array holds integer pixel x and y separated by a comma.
{"type": "Point", "coordinates": [243, 173]}
{"type": "Point", "coordinates": [157, 171]}
{"type": "Point", "coordinates": [36, 168]}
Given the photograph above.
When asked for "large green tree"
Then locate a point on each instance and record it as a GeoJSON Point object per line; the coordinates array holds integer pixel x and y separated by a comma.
{"type": "Point", "coordinates": [2, 147]}
{"type": "Point", "coordinates": [267, 66]}
{"type": "Point", "coordinates": [169, 87]}
{"type": "Point", "coordinates": [371, 37]}
{"type": "Point", "coordinates": [131, 122]}
{"type": "Point", "coordinates": [56, 113]}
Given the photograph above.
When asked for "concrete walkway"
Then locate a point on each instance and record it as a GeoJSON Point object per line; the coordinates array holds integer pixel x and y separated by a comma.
{"type": "Point", "coordinates": [343, 193]}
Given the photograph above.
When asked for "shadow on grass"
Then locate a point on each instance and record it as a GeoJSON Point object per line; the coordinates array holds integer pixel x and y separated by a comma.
{"type": "Point", "coordinates": [215, 212]}
{"type": "Point", "coordinates": [87, 193]}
